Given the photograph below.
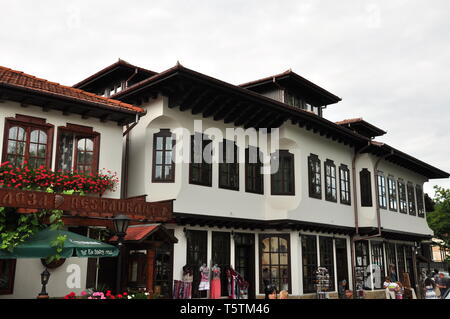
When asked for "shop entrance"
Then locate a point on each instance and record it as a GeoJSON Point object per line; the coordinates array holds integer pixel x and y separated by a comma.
{"type": "Point", "coordinates": [245, 260]}
{"type": "Point", "coordinates": [147, 259]}
{"type": "Point", "coordinates": [341, 261]}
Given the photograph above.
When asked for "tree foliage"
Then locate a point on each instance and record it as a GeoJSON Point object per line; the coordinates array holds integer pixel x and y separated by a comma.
{"type": "Point", "coordinates": [439, 219]}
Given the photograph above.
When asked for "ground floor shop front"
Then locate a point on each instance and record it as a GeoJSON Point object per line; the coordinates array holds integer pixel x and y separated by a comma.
{"type": "Point", "coordinates": [166, 260]}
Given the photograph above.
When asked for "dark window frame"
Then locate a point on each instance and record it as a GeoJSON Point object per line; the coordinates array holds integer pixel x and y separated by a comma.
{"type": "Point", "coordinates": [381, 191]}
{"type": "Point", "coordinates": [365, 181]}
{"type": "Point", "coordinates": [204, 168]}
{"type": "Point", "coordinates": [309, 254]}
{"type": "Point", "coordinates": [411, 195]}
{"type": "Point", "coordinates": [164, 134]}
{"type": "Point", "coordinates": [221, 256]}
{"type": "Point", "coordinates": [199, 239]}
{"type": "Point", "coordinates": [420, 201]}
{"type": "Point", "coordinates": [79, 132]}
{"type": "Point", "coordinates": [402, 197]}
{"type": "Point", "coordinates": [228, 171]}
{"type": "Point", "coordinates": [377, 258]}
{"type": "Point", "coordinates": [362, 254]}
{"type": "Point", "coordinates": [286, 237]}
{"type": "Point", "coordinates": [314, 177]}
{"type": "Point", "coordinates": [290, 176]}
{"type": "Point", "coordinates": [28, 123]}
{"type": "Point", "coordinates": [392, 194]}
{"type": "Point", "coordinates": [11, 264]}
{"type": "Point", "coordinates": [327, 259]}
{"type": "Point", "coordinates": [330, 181]}
{"type": "Point", "coordinates": [254, 179]}
{"type": "Point", "coordinates": [345, 192]}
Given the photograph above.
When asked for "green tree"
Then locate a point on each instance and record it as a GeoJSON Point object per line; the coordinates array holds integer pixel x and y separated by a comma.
{"type": "Point", "coordinates": [439, 219]}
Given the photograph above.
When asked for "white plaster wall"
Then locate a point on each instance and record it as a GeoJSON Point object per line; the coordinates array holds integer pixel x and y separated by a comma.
{"type": "Point", "coordinates": [27, 277]}
{"type": "Point", "coordinates": [196, 199]}
{"type": "Point", "coordinates": [110, 156]}
{"type": "Point", "coordinates": [396, 220]}
{"type": "Point", "coordinates": [27, 284]}
{"type": "Point", "coordinates": [389, 220]}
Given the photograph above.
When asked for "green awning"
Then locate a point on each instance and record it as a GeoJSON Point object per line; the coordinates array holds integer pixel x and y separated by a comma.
{"type": "Point", "coordinates": [39, 246]}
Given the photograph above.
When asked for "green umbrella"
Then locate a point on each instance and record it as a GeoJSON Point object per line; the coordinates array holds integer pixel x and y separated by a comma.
{"type": "Point", "coordinates": [39, 246]}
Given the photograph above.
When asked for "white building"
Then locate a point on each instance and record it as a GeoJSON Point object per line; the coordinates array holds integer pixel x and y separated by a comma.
{"type": "Point", "coordinates": [340, 199]}
{"type": "Point", "coordinates": [71, 129]}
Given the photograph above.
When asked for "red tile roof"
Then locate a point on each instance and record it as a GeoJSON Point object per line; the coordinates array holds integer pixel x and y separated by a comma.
{"type": "Point", "coordinates": [138, 233]}
{"type": "Point", "coordinates": [22, 80]}
{"type": "Point", "coordinates": [348, 121]}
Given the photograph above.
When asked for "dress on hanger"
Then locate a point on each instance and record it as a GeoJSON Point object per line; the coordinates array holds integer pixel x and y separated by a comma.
{"type": "Point", "coordinates": [215, 283]}
{"type": "Point", "coordinates": [204, 279]}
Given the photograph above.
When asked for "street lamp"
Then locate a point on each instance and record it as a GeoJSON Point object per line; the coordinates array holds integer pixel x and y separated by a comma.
{"type": "Point", "coordinates": [121, 223]}
{"type": "Point", "coordinates": [45, 276]}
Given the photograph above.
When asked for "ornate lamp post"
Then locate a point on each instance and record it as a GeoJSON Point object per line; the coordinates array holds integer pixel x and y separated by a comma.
{"type": "Point", "coordinates": [121, 223]}
{"type": "Point", "coordinates": [45, 276]}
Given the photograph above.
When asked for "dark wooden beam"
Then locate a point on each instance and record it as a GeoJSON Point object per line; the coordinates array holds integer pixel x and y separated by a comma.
{"type": "Point", "coordinates": [105, 118]}
{"type": "Point", "coordinates": [181, 99]}
{"type": "Point", "coordinates": [250, 120]}
{"type": "Point", "coordinates": [234, 115]}
{"type": "Point", "coordinates": [192, 101]}
{"type": "Point", "coordinates": [245, 115]}
{"type": "Point", "coordinates": [201, 107]}
{"type": "Point", "coordinates": [213, 110]}
{"type": "Point", "coordinates": [66, 111]}
{"type": "Point", "coordinates": [220, 115]}
{"type": "Point", "coordinates": [85, 115]}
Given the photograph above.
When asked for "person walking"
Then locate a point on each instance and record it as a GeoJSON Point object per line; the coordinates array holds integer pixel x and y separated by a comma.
{"type": "Point", "coordinates": [442, 284]}
{"type": "Point", "coordinates": [429, 289]}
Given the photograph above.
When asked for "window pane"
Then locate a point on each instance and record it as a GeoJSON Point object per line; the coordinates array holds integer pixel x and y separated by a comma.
{"type": "Point", "coordinates": [12, 147]}
{"type": "Point", "coordinates": [34, 136]}
{"type": "Point", "coordinates": [158, 172]}
{"type": "Point", "coordinates": [89, 145]}
{"type": "Point", "coordinates": [65, 160]}
{"type": "Point", "coordinates": [168, 159]}
{"type": "Point", "coordinates": [13, 133]}
{"type": "Point", "coordinates": [159, 157]}
{"type": "Point", "coordinates": [159, 143]}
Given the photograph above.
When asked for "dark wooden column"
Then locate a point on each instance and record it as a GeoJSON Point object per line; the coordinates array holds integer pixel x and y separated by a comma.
{"type": "Point", "coordinates": [150, 269]}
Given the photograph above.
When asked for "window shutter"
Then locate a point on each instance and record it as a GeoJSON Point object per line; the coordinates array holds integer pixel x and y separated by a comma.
{"type": "Point", "coordinates": [366, 188]}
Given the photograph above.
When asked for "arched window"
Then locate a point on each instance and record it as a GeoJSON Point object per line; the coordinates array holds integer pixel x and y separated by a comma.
{"type": "Point", "coordinates": [85, 155]}
{"type": "Point", "coordinates": [163, 164]}
{"type": "Point", "coordinates": [78, 149]}
{"type": "Point", "coordinates": [17, 142]}
{"type": "Point", "coordinates": [27, 139]}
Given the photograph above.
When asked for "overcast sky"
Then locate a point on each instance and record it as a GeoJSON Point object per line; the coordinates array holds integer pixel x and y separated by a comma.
{"type": "Point", "coordinates": [388, 60]}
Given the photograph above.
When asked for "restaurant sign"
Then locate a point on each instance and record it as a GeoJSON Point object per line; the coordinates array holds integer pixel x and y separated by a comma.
{"type": "Point", "coordinates": [137, 208]}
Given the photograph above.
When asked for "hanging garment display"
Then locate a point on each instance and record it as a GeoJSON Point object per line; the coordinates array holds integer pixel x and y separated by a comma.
{"type": "Point", "coordinates": [237, 286]}
{"type": "Point", "coordinates": [215, 282]}
{"type": "Point", "coordinates": [204, 278]}
{"type": "Point", "coordinates": [182, 289]}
